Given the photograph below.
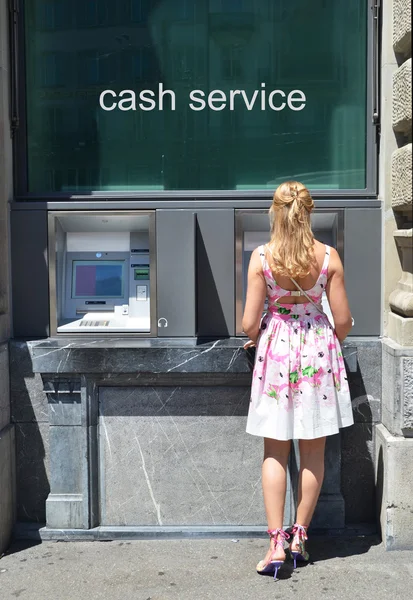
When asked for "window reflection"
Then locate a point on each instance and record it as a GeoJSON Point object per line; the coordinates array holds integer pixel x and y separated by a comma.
{"type": "Point", "coordinates": [77, 48]}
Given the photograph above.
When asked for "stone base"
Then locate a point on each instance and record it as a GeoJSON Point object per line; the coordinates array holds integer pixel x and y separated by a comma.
{"type": "Point", "coordinates": [397, 389]}
{"type": "Point", "coordinates": [64, 510]}
{"type": "Point", "coordinates": [400, 329]}
{"type": "Point", "coordinates": [7, 486]}
{"type": "Point", "coordinates": [329, 512]}
{"type": "Point", "coordinates": [38, 532]}
{"type": "Point", "coordinates": [394, 476]}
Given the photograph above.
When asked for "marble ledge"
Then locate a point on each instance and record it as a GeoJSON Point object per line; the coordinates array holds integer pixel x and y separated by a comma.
{"type": "Point", "coordinates": [148, 355]}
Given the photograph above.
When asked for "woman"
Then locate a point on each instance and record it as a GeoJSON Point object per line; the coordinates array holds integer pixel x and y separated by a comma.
{"type": "Point", "coordinates": [299, 387]}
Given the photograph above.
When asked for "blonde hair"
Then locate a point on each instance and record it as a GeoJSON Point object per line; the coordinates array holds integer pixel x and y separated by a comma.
{"type": "Point", "coordinates": [292, 239]}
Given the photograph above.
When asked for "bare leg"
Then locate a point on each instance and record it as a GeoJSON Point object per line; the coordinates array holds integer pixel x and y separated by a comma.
{"type": "Point", "coordinates": [310, 480]}
{"type": "Point", "coordinates": [274, 484]}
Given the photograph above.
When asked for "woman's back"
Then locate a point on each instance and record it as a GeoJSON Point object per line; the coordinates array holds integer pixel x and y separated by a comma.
{"type": "Point", "coordinates": [307, 282]}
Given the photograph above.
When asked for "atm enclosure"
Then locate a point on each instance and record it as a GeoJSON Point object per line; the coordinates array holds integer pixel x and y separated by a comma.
{"type": "Point", "coordinates": [102, 272]}
{"type": "Point", "coordinates": [252, 229]}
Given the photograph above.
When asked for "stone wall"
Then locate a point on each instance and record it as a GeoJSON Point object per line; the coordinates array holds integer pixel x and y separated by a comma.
{"type": "Point", "coordinates": [394, 436]}
{"type": "Point", "coordinates": [7, 500]}
{"type": "Point", "coordinates": [154, 435]}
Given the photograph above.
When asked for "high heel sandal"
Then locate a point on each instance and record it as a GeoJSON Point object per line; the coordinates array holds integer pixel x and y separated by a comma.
{"type": "Point", "coordinates": [273, 564]}
{"type": "Point", "coordinates": [299, 535]}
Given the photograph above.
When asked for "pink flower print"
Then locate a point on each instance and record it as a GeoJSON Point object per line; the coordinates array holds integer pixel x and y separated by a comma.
{"type": "Point", "coordinates": [279, 358]}
{"type": "Point", "coordinates": [312, 376]}
{"type": "Point", "coordinates": [336, 379]}
{"type": "Point", "coordinates": [272, 392]}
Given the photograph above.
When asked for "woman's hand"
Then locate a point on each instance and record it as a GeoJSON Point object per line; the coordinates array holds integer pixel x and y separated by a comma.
{"type": "Point", "coordinates": [249, 344]}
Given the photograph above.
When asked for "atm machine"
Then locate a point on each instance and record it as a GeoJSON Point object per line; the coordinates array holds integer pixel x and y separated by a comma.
{"type": "Point", "coordinates": [252, 228]}
{"type": "Point", "coordinates": [102, 272]}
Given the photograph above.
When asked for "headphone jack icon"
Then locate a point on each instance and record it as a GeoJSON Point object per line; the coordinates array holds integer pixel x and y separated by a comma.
{"type": "Point", "coordinates": [161, 324]}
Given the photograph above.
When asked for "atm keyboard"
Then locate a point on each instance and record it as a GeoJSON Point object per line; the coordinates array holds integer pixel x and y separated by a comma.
{"type": "Point", "coordinates": [84, 323]}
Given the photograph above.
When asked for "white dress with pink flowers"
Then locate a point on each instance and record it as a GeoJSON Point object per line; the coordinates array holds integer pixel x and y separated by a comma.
{"type": "Point", "coordinates": [299, 387]}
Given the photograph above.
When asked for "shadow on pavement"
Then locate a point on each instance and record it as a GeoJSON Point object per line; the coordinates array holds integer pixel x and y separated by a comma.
{"type": "Point", "coordinates": [20, 546]}
{"type": "Point", "coordinates": [325, 548]}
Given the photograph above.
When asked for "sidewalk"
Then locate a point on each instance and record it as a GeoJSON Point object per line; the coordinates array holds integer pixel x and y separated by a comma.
{"type": "Point", "coordinates": [201, 569]}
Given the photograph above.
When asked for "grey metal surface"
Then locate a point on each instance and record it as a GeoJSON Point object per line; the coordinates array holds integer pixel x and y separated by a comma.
{"type": "Point", "coordinates": [182, 200]}
{"type": "Point", "coordinates": [215, 272]}
{"type": "Point", "coordinates": [30, 286]}
{"type": "Point", "coordinates": [362, 263]}
{"type": "Point", "coordinates": [175, 251]}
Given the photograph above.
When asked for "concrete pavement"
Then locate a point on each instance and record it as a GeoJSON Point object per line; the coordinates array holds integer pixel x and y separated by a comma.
{"type": "Point", "coordinates": [201, 569]}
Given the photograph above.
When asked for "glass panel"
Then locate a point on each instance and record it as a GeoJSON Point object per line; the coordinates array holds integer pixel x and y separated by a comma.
{"type": "Point", "coordinates": [76, 49]}
{"type": "Point", "coordinates": [97, 279]}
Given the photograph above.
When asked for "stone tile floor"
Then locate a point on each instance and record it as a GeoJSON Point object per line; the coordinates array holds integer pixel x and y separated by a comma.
{"type": "Point", "coordinates": [201, 569]}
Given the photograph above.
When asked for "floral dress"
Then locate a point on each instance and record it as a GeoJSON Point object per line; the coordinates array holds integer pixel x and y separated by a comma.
{"type": "Point", "coordinates": [299, 387]}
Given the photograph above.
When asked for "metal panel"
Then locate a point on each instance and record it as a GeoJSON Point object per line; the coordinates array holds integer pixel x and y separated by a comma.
{"type": "Point", "coordinates": [30, 286]}
{"type": "Point", "coordinates": [175, 251]}
{"type": "Point", "coordinates": [362, 264]}
{"type": "Point", "coordinates": [193, 203]}
{"type": "Point", "coordinates": [215, 273]}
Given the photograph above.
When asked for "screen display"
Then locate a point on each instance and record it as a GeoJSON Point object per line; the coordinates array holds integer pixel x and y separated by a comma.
{"type": "Point", "coordinates": [97, 279]}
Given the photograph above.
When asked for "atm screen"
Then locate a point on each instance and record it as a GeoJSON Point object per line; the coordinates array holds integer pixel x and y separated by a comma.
{"type": "Point", "coordinates": [97, 278]}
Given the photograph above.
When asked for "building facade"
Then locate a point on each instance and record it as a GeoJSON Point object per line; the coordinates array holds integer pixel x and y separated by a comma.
{"type": "Point", "coordinates": [126, 233]}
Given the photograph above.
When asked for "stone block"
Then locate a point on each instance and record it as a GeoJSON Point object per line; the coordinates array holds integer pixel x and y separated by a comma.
{"type": "Point", "coordinates": [27, 394]}
{"type": "Point", "coordinates": [407, 394]}
{"type": "Point", "coordinates": [400, 329]}
{"type": "Point", "coordinates": [401, 179]}
{"type": "Point", "coordinates": [357, 473]}
{"type": "Point", "coordinates": [4, 264]}
{"type": "Point", "coordinates": [4, 386]}
{"type": "Point", "coordinates": [7, 485]}
{"type": "Point", "coordinates": [64, 399]}
{"type": "Point", "coordinates": [67, 450]}
{"type": "Point", "coordinates": [32, 470]}
{"type": "Point", "coordinates": [402, 98]}
{"type": "Point", "coordinates": [402, 26]}
{"type": "Point", "coordinates": [64, 511]}
{"type": "Point", "coordinates": [365, 380]}
{"type": "Point", "coordinates": [179, 456]}
{"type": "Point", "coordinates": [397, 401]}
{"type": "Point", "coordinates": [401, 298]}
{"type": "Point", "coordinates": [394, 476]}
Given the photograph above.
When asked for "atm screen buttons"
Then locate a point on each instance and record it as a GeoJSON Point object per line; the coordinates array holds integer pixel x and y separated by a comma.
{"type": "Point", "coordinates": [141, 292]}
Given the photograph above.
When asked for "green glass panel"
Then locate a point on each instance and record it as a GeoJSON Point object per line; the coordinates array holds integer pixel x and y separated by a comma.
{"type": "Point", "coordinates": [76, 49]}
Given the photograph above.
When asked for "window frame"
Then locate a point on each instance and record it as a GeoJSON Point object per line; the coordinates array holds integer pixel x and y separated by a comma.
{"type": "Point", "coordinates": [20, 149]}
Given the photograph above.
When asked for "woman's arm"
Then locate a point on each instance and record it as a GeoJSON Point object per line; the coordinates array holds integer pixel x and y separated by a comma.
{"type": "Point", "coordinates": [337, 296]}
{"type": "Point", "coordinates": [256, 293]}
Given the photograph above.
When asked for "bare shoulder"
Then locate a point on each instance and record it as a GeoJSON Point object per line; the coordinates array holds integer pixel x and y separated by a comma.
{"type": "Point", "coordinates": [255, 260]}
{"type": "Point", "coordinates": [335, 264]}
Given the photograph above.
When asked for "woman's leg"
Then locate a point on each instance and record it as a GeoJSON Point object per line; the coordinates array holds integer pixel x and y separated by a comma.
{"type": "Point", "coordinates": [310, 478]}
{"type": "Point", "coordinates": [274, 484]}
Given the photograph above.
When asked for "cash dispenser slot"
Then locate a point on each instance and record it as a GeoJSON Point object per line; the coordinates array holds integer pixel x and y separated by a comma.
{"type": "Point", "coordinates": [102, 271]}
{"type": "Point", "coordinates": [95, 307]}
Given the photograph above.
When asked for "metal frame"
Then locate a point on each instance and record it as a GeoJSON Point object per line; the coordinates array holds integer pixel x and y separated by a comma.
{"type": "Point", "coordinates": [238, 256]}
{"type": "Point", "coordinates": [256, 198]}
{"type": "Point", "coordinates": [53, 284]}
